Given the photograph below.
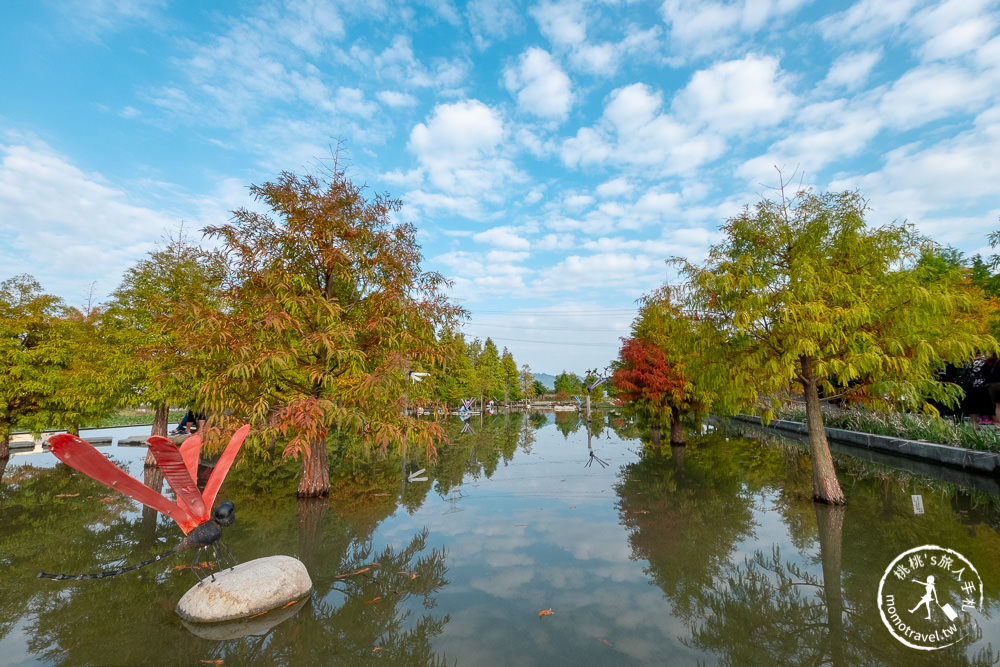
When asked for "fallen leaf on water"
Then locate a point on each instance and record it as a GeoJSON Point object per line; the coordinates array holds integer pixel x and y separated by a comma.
{"type": "Point", "coordinates": [289, 604]}
{"type": "Point", "coordinates": [605, 642]}
{"type": "Point", "coordinates": [546, 612]}
{"type": "Point", "coordinates": [257, 614]}
{"type": "Point", "coordinates": [373, 600]}
{"type": "Point", "coordinates": [376, 649]}
{"type": "Point", "coordinates": [67, 495]}
{"type": "Point", "coordinates": [106, 499]}
{"type": "Point", "coordinates": [411, 575]}
{"type": "Point", "coordinates": [211, 662]}
{"type": "Point", "coordinates": [351, 574]}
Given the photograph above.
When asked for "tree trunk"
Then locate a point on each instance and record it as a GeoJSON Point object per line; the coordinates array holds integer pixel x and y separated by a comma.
{"type": "Point", "coordinates": [153, 478]}
{"type": "Point", "coordinates": [160, 420]}
{"type": "Point", "coordinates": [4, 460]}
{"type": "Point", "coordinates": [4, 446]}
{"type": "Point", "coordinates": [830, 521]}
{"type": "Point", "coordinates": [654, 432]}
{"type": "Point", "coordinates": [677, 454]}
{"type": "Point", "coordinates": [676, 432]}
{"type": "Point", "coordinates": [826, 488]}
{"type": "Point", "coordinates": [160, 414]}
{"type": "Point", "coordinates": [315, 480]}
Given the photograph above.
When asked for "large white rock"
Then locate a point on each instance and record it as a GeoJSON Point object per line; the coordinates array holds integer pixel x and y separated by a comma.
{"type": "Point", "coordinates": [249, 588]}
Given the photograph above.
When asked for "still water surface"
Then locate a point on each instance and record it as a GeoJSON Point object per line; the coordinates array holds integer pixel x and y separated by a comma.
{"type": "Point", "coordinates": [710, 554]}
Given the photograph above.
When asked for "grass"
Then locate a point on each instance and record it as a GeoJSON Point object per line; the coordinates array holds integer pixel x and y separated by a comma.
{"type": "Point", "coordinates": [134, 418]}
{"type": "Point", "coordinates": [906, 425]}
{"type": "Point", "coordinates": [130, 418]}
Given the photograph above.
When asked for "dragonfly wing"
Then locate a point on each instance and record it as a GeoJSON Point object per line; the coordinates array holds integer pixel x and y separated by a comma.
{"type": "Point", "coordinates": [81, 455]}
{"type": "Point", "coordinates": [224, 463]}
{"type": "Point", "coordinates": [168, 458]}
{"type": "Point", "coordinates": [191, 452]}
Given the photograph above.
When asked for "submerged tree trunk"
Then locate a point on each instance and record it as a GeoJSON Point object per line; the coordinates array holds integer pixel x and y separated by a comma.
{"type": "Point", "coordinates": [3, 464]}
{"type": "Point", "coordinates": [826, 488]}
{"type": "Point", "coordinates": [312, 516]}
{"type": "Point", "coordinates": [830, 521]}
{"type": "Point", "coordinates": [676, 432]}
{"type": "Point", "coordinates": [315, 480]}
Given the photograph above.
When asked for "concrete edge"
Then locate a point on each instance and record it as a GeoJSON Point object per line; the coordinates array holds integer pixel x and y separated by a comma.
{"type": "Point", "coordinates": [969, 460]}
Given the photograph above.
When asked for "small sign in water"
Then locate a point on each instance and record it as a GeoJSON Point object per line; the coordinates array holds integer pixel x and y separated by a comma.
{"type": "Point", "coordinates": [918, 503]}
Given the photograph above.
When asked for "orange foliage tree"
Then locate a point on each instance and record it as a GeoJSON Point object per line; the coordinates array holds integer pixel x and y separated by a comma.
{"type": "Point", "coordinates": [327, 310]}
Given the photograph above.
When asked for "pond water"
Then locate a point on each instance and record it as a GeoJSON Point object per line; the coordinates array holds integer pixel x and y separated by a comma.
{"type": "Point", "coordinates": [710, 554]}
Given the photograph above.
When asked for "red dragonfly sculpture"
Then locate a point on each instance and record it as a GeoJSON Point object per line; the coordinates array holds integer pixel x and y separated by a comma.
{"type": "Point", "coordinates": [180, 468]}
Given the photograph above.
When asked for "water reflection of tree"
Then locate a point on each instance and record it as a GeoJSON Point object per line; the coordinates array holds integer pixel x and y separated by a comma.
{"type": "Point", "coordinates": [775, 610]}
{"type": "Point", "coordinates": [568, 422]}
{"type": "Point", "coordinates": [686, 520]}
{"type": "Point", "coordinates": [473, 455]}
{"type": "Point", "coordinates": [129, 619]}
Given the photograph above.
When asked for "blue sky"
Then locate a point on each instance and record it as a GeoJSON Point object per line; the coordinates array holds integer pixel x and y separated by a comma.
{"type": "Point", "coordinates": [552, 155]}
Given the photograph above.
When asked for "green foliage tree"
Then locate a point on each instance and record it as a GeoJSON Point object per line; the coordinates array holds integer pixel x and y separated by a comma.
{"type": "Point", "coordinates": [568, 384]}
{"type": "Point", "coordinates": [804, 293]}
{"type": "Point", "coordinates": [526, 382]}
{"type": "Point", "coordinates": [83, 374]}
{"type": "Point", "coordinates": [538, 388]}
{"type": "Point", "coordinates": [328, 307]}
{"type": "Point", "coordinates": [146, 322]}
{"type": "Point", "coordinates": [489, 373]}
{"type": "Point", "coordinates": [29, 347]}
{"type": "Point", "coordinates": [510, 377]}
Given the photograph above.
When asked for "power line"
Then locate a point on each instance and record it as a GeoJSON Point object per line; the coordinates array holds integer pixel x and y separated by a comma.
{"type": "Point", "coordinates": [547, 342]}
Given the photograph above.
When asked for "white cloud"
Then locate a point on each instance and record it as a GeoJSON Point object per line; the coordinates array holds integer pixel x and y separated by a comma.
{"type": "Point", "coordinates": [824, 132]}
{"type": "Point", "coordinates": [459, 146]}
{"type": "Point", "coordinates": [540, 86]}
{"type": "Point", "coordinates": [633, 131]}
{"type": "Point", "coordinates": [736, 96]}
{"type": "Point", "coordinates": [954, 28]}
{"type": "Point", "coordinates": [563, 23]}
{"type": "Point", "coordinates": [97, 18]}
{"type": "Point", "coordinates": [396, 99]}
{"type": "Point", "coordinates": [493, 20]}
{"type": "Point", "coordinates": [65, 218]}
{"type": "Point", "coordinates": [616, 187]}
{"type": "Point", "coordinates": [600, 270]}
{"type": "Point", "coordinates": [930, 92]}
{"type": "Point", "coordinates": [933, 185]}
{"type": "Point", "coordinates": [699, 28]}
{"type": "Point", "coordinates": [866, 20]}
{"type": "Point", "coordinates": [851, 70]}
{"type": "Point", "coordinates": [503, 237]}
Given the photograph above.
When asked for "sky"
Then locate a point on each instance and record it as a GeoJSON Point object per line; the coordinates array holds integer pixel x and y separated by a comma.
{"type": "Point", "coordinates": [552, 155]}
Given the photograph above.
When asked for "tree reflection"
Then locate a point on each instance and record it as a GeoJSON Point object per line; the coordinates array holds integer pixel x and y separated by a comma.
{"type": "Point", "coordinates": [685, 516]}
{"type": "Point", "coordinates": [57, 519]}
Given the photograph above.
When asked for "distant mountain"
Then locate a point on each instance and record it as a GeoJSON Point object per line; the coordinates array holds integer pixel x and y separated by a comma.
{"type": "Point", "coordinates": [548, 380]}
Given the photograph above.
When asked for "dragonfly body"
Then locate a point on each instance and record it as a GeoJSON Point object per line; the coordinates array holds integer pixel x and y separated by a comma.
{"type": "Point", "coordinates": [179, 466]}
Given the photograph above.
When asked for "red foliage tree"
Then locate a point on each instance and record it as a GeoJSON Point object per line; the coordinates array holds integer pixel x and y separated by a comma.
{"type": "Point", "coordinates": [658, 389]}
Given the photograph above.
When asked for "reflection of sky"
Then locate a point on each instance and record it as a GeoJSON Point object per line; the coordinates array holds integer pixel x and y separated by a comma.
{"type": "Point", "coordinates": [545, 532]}
{"type": "Point", "coordinates": [542, 533]}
